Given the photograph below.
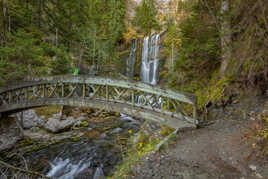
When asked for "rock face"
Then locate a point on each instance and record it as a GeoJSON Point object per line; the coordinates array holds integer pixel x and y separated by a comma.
{"type": "Point", "coordinates": [9, 133]}
{"type": "Point", "coordinates": [31, 119]}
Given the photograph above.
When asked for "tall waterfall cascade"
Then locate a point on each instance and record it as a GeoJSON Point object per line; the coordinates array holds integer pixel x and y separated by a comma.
{"type": "Point", "coordinates": [150, 60]}
{"type": "Point", "coordinates": [132, 59]}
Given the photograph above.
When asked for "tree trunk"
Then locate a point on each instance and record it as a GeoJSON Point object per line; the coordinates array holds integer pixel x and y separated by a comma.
{"type": "Point", "coordinates": [56, 43]}
{"type": "Point", "coordinates": [172, 56]}
{"type": "Point", "coordinates": [39, 14]}
{"type": "Point", "coordinates": [3, 23]}
{"type": "Point", "coordinates": [225, 36]}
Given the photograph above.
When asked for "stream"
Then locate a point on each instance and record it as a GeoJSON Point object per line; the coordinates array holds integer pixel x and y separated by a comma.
{"type": "Point", "coordinates": [90, 157]}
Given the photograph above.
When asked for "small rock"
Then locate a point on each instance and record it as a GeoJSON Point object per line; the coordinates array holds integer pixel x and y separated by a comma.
{"type": "Point", "coordinates": [252, 119]}
{"type": "Point", "coordinates": [81, 118]}
{"type": "Point", "coordinates": [259, 175]}
{"type": "Point", "coordinates": [265, 113]}
{"type": "Point", "coordinates": [103, 135]}
{"type": "Point", "coordinates": [70, 118]}
{"type": "Point", "coordinates": [253, 167]}
{"type": "Point", "coordinates": [56, 125]}
{"type": "Point", "coordinates": [37, 136]}
{"type": "Point", "coordinates": [83, 114]}
{"type": "Point", "coordinates": [235, 101]}
{"type": "Point", "coordinates": [35, 129]}
{"type": "Point", "coordinates": [116, 130]}
{"type": "Point", "coordinates": [251, 112]}
{"type": "Point", "coordinates": [57, 116]}
{"type": "Point", "coordinates": [244, 115]}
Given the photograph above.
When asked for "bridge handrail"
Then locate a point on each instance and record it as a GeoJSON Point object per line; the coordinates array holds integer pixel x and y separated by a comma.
{"type": "Point", "coordinates": [130, 84]}
{"type": "Point", "coordinates": [95, 80]}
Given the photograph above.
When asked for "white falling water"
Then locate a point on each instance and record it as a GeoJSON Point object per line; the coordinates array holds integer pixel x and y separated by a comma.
{"type": "Point", "coordinates": [132, 59]}
{"type": "Point", "coordinates": [65, 169]}
{"type": "Point", "coordinates": [150, 62]}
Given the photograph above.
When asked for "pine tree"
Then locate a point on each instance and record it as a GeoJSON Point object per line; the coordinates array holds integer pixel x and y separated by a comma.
{"type": "Point", "coordinates": [145, 17]}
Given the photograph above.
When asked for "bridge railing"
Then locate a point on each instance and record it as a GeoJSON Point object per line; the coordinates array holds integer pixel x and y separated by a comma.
{"type": "Point", "coordinates": [138, 94]}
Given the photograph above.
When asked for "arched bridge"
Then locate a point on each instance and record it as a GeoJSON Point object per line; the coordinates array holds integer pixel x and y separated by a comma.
{"type": "Point", "coordinates": [172, 108]}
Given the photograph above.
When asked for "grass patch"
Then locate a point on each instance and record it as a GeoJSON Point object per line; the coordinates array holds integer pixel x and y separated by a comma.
{"type": "Point", "coordinates": [257, 135]}
{"type": "Point", "coordinates": [134, 156]}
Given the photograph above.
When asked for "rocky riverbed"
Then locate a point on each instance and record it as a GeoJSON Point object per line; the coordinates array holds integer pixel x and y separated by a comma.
{"type": "Point", "coordinates": [77, 146]}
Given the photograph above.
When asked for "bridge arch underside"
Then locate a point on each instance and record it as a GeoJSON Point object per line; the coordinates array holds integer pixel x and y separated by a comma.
{"type": "Point", "coordinates": [169, 119]}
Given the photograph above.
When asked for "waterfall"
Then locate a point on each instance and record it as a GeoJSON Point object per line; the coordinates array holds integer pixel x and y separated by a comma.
{"type": "Point", "coordinates": [150, 62]}
{"type": "Point", "coordinates": [150, 66]}
{"type": "Point", "coordinates": [130, 64]}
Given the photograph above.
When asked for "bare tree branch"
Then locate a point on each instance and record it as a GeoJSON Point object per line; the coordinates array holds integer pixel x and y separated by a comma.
{"type": "Point", "coordinates": [22, 170]}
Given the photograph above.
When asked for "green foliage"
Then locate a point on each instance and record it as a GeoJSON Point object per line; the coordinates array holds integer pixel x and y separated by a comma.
{"type": "Point", "coordinates": [198, 49]}
{"type": "Point", "coordinates": [249, 64]}
{"type": "Point", "coordinates": [24, 49]}
{"type": "Point", "coordinates": [85, 124]}
{"type": "Point", "coordinates": [87, 30]}
{"type": "Point", "coordinates": [214, 92]}
{"type": "Point", "coordinates": [117, 10]}
{"type": "Point", "coordinates": [61, 64]}
{"type": "Point", "coordinates": [165, 131]}
{"type": "Point", "coordinates": [200, 54]}
{"type": "Point", "coordinates": [145, 17]}
{"type": "Point", "coordinates": [146, 144]}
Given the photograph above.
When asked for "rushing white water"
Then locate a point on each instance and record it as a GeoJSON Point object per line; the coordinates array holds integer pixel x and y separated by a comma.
{"type": "Point", "coordinates": [65, 169]}
{"type": "Point", "coordinates": [150, 62]}
{"type": "Point", "coordinates": [130, 64]}
{"type": "Point", "coordinates": [99, 174]}
{"type": "Point", "coordinates": [149, 67]}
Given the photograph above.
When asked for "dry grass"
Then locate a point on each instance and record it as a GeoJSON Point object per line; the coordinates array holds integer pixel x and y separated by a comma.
{"type": "Point", "coordinates": [48, 111]}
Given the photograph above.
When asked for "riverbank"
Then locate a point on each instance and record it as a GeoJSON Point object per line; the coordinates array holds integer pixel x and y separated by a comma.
{"type": "Point", "coordinates": [234, 145]}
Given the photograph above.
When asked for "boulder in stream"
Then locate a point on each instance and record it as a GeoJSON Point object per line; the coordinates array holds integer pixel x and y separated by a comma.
{"type": "Point", "coordinates": [56, 125]}
{"type": "Point", "coordinates": [31, 119]}
{"type": "Point", "coordinates": [10, 133]}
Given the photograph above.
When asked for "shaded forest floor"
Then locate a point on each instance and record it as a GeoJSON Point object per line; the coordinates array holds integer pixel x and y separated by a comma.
{"type": "Point", "coordinates": [233, 146]}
